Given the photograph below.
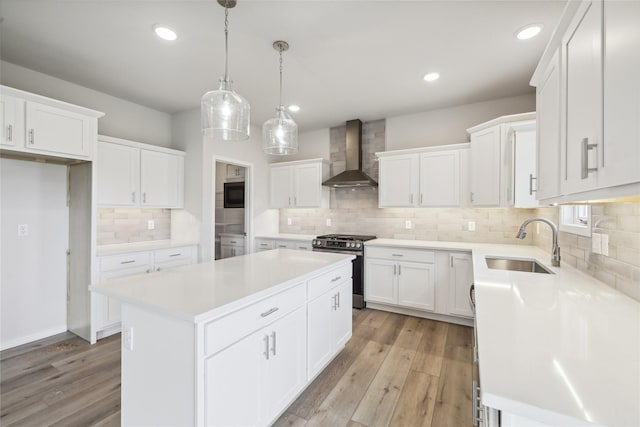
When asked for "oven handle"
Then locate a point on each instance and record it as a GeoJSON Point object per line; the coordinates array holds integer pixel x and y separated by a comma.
{"type": "Point", "coordinates": [338, 251]}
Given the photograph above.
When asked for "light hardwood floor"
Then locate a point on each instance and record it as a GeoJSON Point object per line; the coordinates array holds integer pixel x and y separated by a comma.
{"type": "Point", "coordinates": [396, 370]}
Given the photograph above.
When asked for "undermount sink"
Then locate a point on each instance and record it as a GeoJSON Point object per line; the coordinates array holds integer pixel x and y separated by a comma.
{"type": "Point", "coordinates": [517, 264]}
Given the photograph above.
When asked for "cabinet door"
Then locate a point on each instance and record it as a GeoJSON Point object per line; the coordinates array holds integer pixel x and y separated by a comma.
{"type": "Point", "coordinates": [307, 186]}
{"type": "Point", "coordinates": [440, 179]}
{"type": "Point", "coordinates": [621, 161]}
{"type": "Point", "coordinates": [525, 169]}
{"type": "Point", "coordinates": [320, 329]}
{"type": "Point", "coordinates": [460, 280]}
{"type": "Point", "coordinates": [548, 131]}
{"type": "Point", "coordinates": [485, 167]}
{"type": "Point", "coordinates": [416, 285]}
{"type": "Point", "coordinates": [161, 179]}
{"type": "Point", "coordinates": [165, 265]}
{"type": "Point", "coordinates": [235, 380]}
{"type": "Point", "coordinates": [380, 281]}
{"type": "Point", "coordinates": [226, 251]}
{"type": "Point", "coordinates": [342, 321]}
{"type": "Point", "coordinates": [118, 175]}
{"type": "Point", "coordinates": [280, 187]}
{"type": "Point", "coordinates": [59, 132]}
{"type": "Point", "coordinates": [583, 59]}
{"type": "Point", "coordinates": [286, 367]}
{"type": "Point", "coordinates": [112, 307]}
{"type": "Point", "coordinates": [398, 184]}
{"type": "Point", "coordinates": [11, 121]}
{"type": "Point", "coordinates": [264, 244]}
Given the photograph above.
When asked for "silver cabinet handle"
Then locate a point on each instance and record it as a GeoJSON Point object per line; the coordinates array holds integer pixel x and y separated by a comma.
{"type": "Point", "coordinates": [233, 251]}
{"type": "Point", "coordinates": [268, 312]}
{"type": "Point", "coordinates": [399, 269]}
{"type": "Point", "coordinates": [335, 279]}
{"type": "Point", "coordinates": [232, 241]}
{"type": "Point", "coordinates": [411, 198]}
{"type": "Point", "coordinates": [333, 303]}
{"type": "Point", "coordinates": [282, 246]}
{"type": "Point", "coordinates": [302, 248]}
{"type": "Point", "coordinates": [10, 133]}
{"type": "Point", "coordinates": [451, 261]}
{"type": "Point", "coordinates": [273, 343]}
{"type": "Point", "coordinates": [133, 196]}
{"type": "Point", "coordinates": [289, 201]}
{"type": "Point", "coordinates": [477, 406]}
{"type": "Point", "coordinates": [128, 262]}
{"type": "Point", "coordinates": [175, 255]}
{"type": "Point", "coordinates": [295, 201]}
{"type": "Point", "coordinates": [148, 270]}
{"type": "Point", "coordinates": [531, 179]}
{"type": "Point", "coordinates": [472, 298]}
{"type": "Point", "coordinates": [471, 196]}
{"type": "Point", "coordinates": [144, 197]}
{"type": "Point", "coordinates": [420, 198]}
{"type": "Point", "coordinates": [338, 300]}
{"type": "Point", "coordinates": [395, 266]}
{"type": "Point", "coordinates": [266, 347]}
{"type": "Point", "coordinates": [32, 136]}
{"type": "Point", "coordinates": [158, 269]}
{"type": "Point", "coordinates": [397, 255]}
{"type": "Point", "coordinates": [585, 169]}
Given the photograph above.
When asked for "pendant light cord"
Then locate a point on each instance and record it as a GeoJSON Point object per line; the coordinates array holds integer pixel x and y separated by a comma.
{"type": "Point", "coordinates": [280, 77]}
{"type": "Point", "coordinates": [226, 41]}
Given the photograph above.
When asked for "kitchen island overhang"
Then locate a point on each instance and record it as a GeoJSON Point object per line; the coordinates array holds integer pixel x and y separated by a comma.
{"type": "Point", "coordinates": [233, 341]}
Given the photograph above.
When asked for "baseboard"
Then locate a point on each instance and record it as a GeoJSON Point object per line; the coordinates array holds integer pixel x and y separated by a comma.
{"type": "Point", "coordinates": [5, 345]}
{"type": "Point", "coordinates": [108, 331]}
{"type": "Point", "coordinates": [418, 313]}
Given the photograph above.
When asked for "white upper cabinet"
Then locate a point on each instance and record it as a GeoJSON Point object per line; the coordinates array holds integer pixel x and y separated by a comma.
{"type": "Point", "coordinates": [11, 121]}
{"type": "Point", "coordinates": [503, 166]}
{"type": "Point", "coordinates": [599, 107]}
{"type": "Point", "coordinates": [46, 127]}
{"type": "Point", "coordinates": [425, 177]}
{"type": "Point", "coordinates": [298, 184]}
{"type": "Point", "coordinates": [548, 136]}
{"type": "Point", "coordinates": [234, 172]}
{"type": "Point", "coordinates": [131, 174]}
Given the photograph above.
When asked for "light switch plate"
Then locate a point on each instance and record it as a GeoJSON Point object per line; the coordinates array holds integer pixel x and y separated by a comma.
{"type": "Point", "coordinates": [328, 222]}
{"type": "Point", "coordinates": [23, 230]}
{"type": "Point", "coordinates": [604, 245]}
{"type": "Point", "coordinates": [128, 338]}
{"type": "Point", "coordinates": [407, 224]}
{"type": "Point", "coordinates": [596, 243]}
{"type": "Point", "coordinates": [471, 226]}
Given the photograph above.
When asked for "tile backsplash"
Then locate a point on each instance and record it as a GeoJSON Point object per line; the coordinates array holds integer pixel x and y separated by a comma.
{"type": "Point", "coordinates": [621, 268]}
{"type": "Point", "coordinates": [129, 225]}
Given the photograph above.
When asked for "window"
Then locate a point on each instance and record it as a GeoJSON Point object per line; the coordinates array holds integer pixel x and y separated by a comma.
{"type": "Point", "coordinates": [576, 219]}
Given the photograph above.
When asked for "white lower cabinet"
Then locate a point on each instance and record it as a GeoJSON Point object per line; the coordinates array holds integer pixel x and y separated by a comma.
{"type": "Point", "coordinates": [252, 381]}
{"type": "Point", "coordinates": [408, 283]}
{"type": "Point", "coordinates": [263, 244]}
{"type": "Point", "coordinates": [106, 313]}
{"type": "Point", "coordinates": [433, 282]}
{"type": "Point", "coordinates": [231, 245]}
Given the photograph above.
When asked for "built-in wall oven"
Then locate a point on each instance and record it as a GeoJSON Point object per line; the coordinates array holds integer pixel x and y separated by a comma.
{"type": "Point", "coordinates": [352, 245]}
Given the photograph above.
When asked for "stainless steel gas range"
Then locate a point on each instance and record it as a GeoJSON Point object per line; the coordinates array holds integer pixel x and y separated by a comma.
{"type": "Point", "coordinates": [347, 244]}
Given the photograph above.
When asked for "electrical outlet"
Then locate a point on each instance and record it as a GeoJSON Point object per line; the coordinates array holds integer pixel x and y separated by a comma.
{"type": "Point", "coordinates": [23, 230]}
{"type": "Point", "coordinates": [151, 224]}
{"type": "Point", "coordinates": [408, 225]}
{"type": "Point", "coordinates": [604, 245]}
{"type": "Point", "coordinates": [328, 222]}
{"type": "Point", "coordinates": [472, 226]}
{"type": "Point", "coordinates": [128, 338]}
{"type": "Point", "coordinates": [289, 221]}
{"type": "Point", "coordinates": [596, 243]}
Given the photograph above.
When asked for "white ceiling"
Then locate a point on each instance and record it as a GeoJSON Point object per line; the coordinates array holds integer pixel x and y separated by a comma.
{"type": "Point", "coordinates": [347, 59]}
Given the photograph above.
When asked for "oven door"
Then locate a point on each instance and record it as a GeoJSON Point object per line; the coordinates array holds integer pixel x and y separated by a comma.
{"type": "Point", "coordinates": [357, 274]}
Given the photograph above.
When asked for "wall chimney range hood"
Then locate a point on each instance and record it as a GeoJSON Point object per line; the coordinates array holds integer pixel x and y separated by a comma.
{"type": "Point", "coordinates": [353, 175]}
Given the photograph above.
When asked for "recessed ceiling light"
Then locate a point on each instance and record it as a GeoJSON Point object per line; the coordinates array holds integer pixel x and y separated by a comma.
{"type": "Point", "coordinates": [165, 33]}
{"type": "Point", "coordinates": [528, 32]}
{"type": "Point", "coordinates": [294, 108]}
{"type": "Point", "coordinates": [431, 77]}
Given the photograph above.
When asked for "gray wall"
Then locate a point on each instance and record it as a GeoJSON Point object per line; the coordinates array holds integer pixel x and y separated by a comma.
{"type": "Point", "coordinates": [123, 119]}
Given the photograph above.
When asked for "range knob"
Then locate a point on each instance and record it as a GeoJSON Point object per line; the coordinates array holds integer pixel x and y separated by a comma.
{"type": "Point", "coordinates": [358, 245]}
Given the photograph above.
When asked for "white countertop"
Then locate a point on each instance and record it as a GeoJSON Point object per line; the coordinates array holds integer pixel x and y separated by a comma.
{"type": "Point", "coordinates": [122, 248]}
{"type": "Point", "coordinates": [288, 236]}
{"type": "Point", "coordinates": [202, 291]}
{"type": "Point", "coordinates": [561, 349]}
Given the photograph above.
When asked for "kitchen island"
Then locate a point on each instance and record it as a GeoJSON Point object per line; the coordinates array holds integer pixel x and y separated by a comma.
{"type": "Point", "coordinates": [230, 342]}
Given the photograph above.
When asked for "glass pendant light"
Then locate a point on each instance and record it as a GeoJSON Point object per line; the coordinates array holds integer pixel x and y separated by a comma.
{"type": "Point", "coordinates": [280, 134]}
{"type": "Point", "coordinates": [225, 113]}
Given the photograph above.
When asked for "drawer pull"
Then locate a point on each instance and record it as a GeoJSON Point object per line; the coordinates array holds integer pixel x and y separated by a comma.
{"type": "Point", "coordinates": [335, 279]}
{"type": "Point", "coordinates": [270, 311]}
{"type": "Point", "coordinates": [175, 254]}
{"type": "Point", "coordinates": [302, 248]}
{"type": "Point", "coordinates": [128, 262]}
{"type": "Point", "coordinates": [282, 246]}
{"type": "Point", "coordinates": [397, 255]}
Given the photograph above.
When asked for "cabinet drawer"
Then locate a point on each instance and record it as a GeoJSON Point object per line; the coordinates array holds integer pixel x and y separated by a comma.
{"type": "Point", "coordinates": [321, 284]}
{"type": "Point", "coordinates": [225, 331]}
{"type": "Point", "coordinates": [264, 244]}
{"type": "Point", "coordinates": [284, 244]}
{"type": "Point", "coordinates": [173, 254]}
{"type": "Point", "coordinates": [302, 246]}
{"type": "Point", "coordinates": [401, 254]}
{"type": "Point", "coordinates": [232, 241]}
{"type": "Point", "coordinates": [121, 261]}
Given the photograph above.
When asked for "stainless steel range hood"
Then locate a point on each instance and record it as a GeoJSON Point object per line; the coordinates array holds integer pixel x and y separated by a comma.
{"type": "Point", "coordinates": [353, 176]}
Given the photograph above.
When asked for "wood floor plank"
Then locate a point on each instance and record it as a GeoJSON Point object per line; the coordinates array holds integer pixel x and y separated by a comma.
{"type": "Point", "coordinates": [416, 402]}
{"type": "Point", "coordinates": [374, 318]}
{"type": "Point", "coordinates": [93, 413]}
{"type": "Point", "coordinates": [36, 345]}
{"type": "Point", "coordinates": [388, 332]}
{"type": "Point", "coordinates": [377, 406]}
{"type": "Point", "coordinates": [411, 333]}
{"type": "Point", "coordinates": [459, 337]}
{"type": "Point", "coordinates": [337, 409]}
{"type": "Point", "coordinates": [453, 402]}
{"type": "Point", "coordinates": [290, 420]}
{"type": "Point", "coordinates": [310, 400]}
{"type": "Point", "coordinates": [430, 351]}
{"type": "Point", "coordinates": [112, 420]}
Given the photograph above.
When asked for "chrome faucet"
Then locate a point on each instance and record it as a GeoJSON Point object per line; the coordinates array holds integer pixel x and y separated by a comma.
{"type": "Point", "coordinates": [555, 249]}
